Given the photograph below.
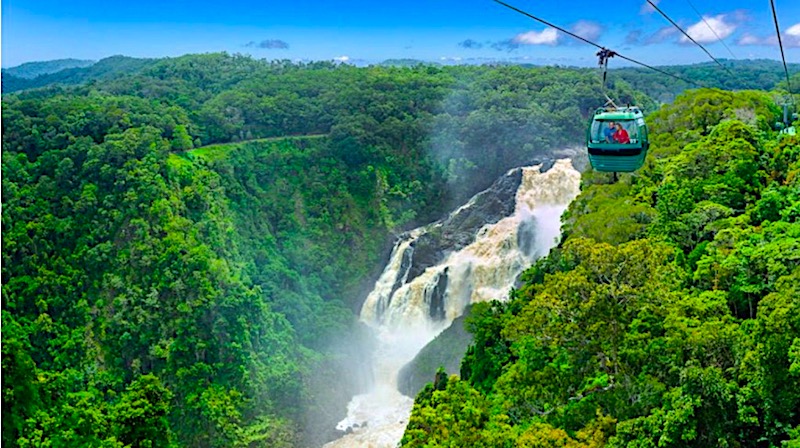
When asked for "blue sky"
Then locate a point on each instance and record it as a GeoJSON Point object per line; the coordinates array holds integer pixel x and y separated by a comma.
{"type": "Point", "coordinates": [371, 31]}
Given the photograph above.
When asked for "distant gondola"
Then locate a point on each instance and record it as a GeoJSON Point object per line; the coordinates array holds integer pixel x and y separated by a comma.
{"type": "Point", "coordinates": [787, 126]}
{"type": "Point", "coordinates": [611, 155]}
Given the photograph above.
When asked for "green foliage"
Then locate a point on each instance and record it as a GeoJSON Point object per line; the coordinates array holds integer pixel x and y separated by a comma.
{"type": "Point", "coordinates": [608, 213]}
{"type": "Point", "coordinates": [449, 411]}
{"type": "Point", "coordinates": [490, 351]}
{"type": "Point", "coordinates": [181, 141]}
{"type": "Point", "coordinates": [692, 116]}
{"type": "Point", "coordinates": [128, 318]}
{"type": "Point", "coordinates": [157, 292]}
{"type": "Point", "coordinates": [759, 74]}
{"type": "Point", "coordinates": [668, 316]}
{"type": "Point", "coordinates": [141, 413]}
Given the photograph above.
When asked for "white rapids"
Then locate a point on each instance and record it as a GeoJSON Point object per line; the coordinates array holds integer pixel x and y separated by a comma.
{"type": "Point", "coordinates": [484, 270]}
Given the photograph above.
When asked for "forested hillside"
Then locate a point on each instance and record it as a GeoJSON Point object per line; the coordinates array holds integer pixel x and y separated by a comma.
{"type": "Point", "coordinates": [184, 245]}
{"type": "Point", "coordinates": [77, 72]}
{"type": "Point", "coordinates": [30, 70]}
{"type": "Point", "coordinates": [670, 314]}
{"type": "Point", "coordinates": [759, 74]}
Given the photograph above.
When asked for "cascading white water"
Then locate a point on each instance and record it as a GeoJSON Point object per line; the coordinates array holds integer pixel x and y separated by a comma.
{"type": "Point", "coordinates": [486, 269]}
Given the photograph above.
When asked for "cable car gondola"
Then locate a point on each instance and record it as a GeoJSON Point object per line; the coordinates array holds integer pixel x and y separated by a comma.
{"type": "Point", "coordinates": [787, 126]}
{"type": "Point", "coordinates": [608, 154]}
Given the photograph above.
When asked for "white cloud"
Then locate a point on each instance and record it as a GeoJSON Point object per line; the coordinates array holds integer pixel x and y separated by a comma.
{"type": "Point", "coordinates": [647, 9]}
{"type": "Point", "coordinates": [701, 32]}
{"type": "Point", "coordinates": [342, 58]}
{"type": "Point", "coordinates": [587, 29]}
{"type": "Point", "coordinates": [661, 35]}
{"type": "Point", "coordinates": [749, 39]}
{"type": "Point", "coordinates": [793, 36]}
{"type": "Point", "coordinates": [548, 36]}
{"type": "Point", "coordinates": [790, 38]}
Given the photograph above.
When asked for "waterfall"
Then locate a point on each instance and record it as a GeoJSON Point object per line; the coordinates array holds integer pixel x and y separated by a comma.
{"type": "Point", "coordinates": [435, 271]}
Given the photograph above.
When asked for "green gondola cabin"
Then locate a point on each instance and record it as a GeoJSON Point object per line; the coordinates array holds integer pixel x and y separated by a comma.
{"type": "Point", "coordinates": [609, 155]}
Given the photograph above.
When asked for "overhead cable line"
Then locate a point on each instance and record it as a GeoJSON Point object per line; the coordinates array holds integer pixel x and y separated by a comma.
{"type": "Point", "coordinates": [711, 28]}
{"type": "Point", "coordinates": [594, 44]}
{"type": "Point", "coordinates": [687, 35]}
{"type": "Point", "coordinates": [780, 43]}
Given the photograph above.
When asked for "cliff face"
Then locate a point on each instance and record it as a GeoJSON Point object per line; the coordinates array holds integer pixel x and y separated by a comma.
{"type": "Point", "coordinates": [446, 350]}
{"type": "Point", "coordinates": [461, 227]}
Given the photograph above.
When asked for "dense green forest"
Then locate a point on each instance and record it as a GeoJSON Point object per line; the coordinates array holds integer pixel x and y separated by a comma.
{"type": "Point", "coordinates": [668, 317]}
{"type": "Point", "coordinates": [186, 241]}
{"type": "Point", "coordinates": [739, 74]}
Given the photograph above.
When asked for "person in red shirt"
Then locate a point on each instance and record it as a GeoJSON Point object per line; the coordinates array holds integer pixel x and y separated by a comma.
{"type": "Point", "coordinates": [621, 136]}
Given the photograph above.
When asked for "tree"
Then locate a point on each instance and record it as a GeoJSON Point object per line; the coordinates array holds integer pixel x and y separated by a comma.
{"type": "Point", "coordinates": [181, 140]}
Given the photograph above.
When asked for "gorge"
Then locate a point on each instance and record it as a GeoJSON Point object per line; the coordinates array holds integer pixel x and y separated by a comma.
{"type": "Point", "coordinates": [436, 271]}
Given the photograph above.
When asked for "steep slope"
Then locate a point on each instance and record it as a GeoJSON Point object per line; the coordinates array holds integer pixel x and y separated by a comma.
{"type": "Point", "coordinates": [670, 315]}
{"type": "Point", "coordinates": [444, 351]}
{"type": "Point", "coordinates": [131, 320]}
{"type": "Point", "coordinates": [140, 284]}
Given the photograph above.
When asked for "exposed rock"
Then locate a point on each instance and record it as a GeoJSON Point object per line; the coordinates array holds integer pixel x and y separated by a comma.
{"type": "Point", "coordinates": [436, 309]}
{"type": "Point", "coordinates": [459, 229]}
{"type": "Point", "coordinates": [446, 350]}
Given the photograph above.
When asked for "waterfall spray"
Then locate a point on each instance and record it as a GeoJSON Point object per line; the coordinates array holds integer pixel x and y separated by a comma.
{"type": "Point", "coordinates": [411, 304]}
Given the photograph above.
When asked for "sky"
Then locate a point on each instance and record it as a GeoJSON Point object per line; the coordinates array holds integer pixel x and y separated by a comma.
{"type": "Point", "coordinates": [363, 32]}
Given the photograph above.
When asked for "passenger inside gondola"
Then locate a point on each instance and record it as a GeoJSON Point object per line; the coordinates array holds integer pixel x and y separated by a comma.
{"type": "Point", "coordinates": [609, 132]}
{"type": "Point", "coordinates": [605, 132]}
{"type": "Point", "coordinates": [621, 135]}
